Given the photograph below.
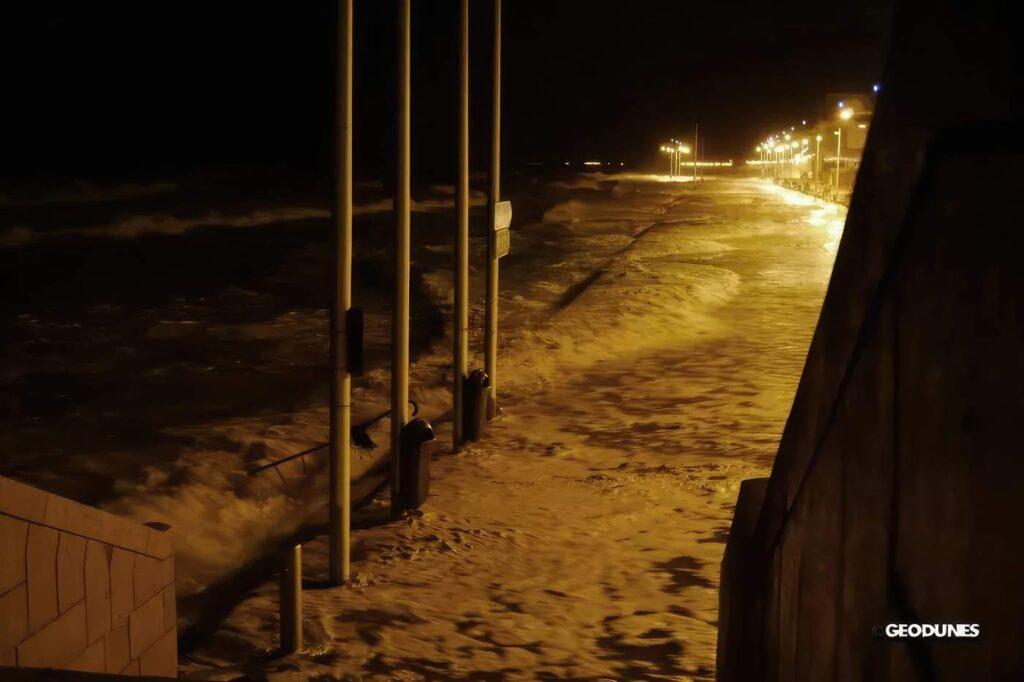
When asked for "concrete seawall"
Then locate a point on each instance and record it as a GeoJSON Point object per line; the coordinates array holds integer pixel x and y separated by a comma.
{"type": "Point", "coordinates": [81, 589]}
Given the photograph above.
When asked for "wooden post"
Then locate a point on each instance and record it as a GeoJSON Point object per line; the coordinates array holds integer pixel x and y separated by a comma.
{"type": "Point", "coordinates": [291, 599]}
{"type": "Point", "coordinates": [340, 474]}
{"type": "Point", "coordinates": [491, 307]}
{"type": "Point", "coordinates": [400, 313]}
{"type": "Point", "coordinates": [461, 328]}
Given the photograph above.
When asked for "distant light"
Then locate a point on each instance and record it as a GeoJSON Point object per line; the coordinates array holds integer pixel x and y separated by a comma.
{"type": "Point", "coordinates": [862, 125]}
{"type": "Point", "coordinates": [591, 163]}
{"type": "Point", "coordinates": [876, 87]}
{"type": "Point", "coordinates": [846, 114]}
{"type": "Point", "coordinates": [792, 127]}
{"type": "Point", "coordinates": [818, 138]}
{"type": "Point", "coordinates": [842, 104]}
{"type": "Point", "coordinates": [568, 163]}
{"type": "Point", "coordinates": [803, 123]}
{"type": "Point", "coordinates": [621, 163]}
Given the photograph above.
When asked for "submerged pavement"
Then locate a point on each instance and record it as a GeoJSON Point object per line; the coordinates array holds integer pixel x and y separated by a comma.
{"type": "Point", "coordinates": [581, 539]}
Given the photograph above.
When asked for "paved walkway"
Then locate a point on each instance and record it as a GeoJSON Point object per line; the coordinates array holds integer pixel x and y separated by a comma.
{"type": "Point", "coordinates": [582, 538]}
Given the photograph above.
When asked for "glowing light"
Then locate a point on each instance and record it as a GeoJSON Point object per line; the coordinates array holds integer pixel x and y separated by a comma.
{"type": "Point", "coordinates": [591, 163]}
{"type": "Point", "coordinates": [818, 138]}
{"type": "Point", "coordinates": [862, 125]}
{"type": "Point", "coordinates": [876, 87]}
{"type": "Point", "coordinates": [846, 114]}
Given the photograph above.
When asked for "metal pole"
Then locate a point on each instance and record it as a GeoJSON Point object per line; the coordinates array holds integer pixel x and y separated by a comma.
{"type": "Point", "coordinates": [341, 380]}
{"type": "Point", "coordinates": [461, 351]}
{"type": "Point", "coordinates": [817, 160]}
{"type": "Point", "coordinates": [400, 313]}
{"type": "Point", "coordinates": [839, 149]}
{"type": "Point", "coordinates": [491, 309]}
{"type": "Point", "coordinates": [696, 142]}
{"type": "Point", "coordinates": [290, 597]}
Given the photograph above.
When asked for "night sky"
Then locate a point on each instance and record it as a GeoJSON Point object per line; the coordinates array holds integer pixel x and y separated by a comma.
{"type": "Point", "coordinates": [146, 88]}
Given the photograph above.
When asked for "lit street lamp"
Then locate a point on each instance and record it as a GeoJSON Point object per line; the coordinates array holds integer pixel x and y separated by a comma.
{"type": "Point", "coordinates": [817, 159]}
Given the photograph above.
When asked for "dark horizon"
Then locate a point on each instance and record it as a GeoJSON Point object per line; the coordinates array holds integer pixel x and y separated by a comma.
{"type": "Point", "coordinates": [141, 90]}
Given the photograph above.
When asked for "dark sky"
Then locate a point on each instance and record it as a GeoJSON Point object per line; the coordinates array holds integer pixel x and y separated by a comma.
{"type": "Point", "coordinates": [144, 87]}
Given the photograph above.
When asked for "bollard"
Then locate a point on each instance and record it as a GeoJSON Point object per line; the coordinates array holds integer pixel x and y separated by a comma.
{"type": "Point", "coordinates": [418, 443]}
{"type": "Point", "coordinates": [291, 599]}
{"type": "Point", "coordinates": [475, 397]}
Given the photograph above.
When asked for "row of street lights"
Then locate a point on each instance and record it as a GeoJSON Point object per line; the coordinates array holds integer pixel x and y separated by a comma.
{"type": "Point", "coordinates": [779, 155]}
{"type": "Point", "coordinates": [675, 151]}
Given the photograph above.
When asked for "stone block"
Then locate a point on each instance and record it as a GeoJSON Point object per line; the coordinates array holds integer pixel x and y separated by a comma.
{"type": "Point", "coordinates": [70, 570]}
{"type": "Point", "coordinates": [8, 655]}
{"type": "Point", "coordinates": [161, 659]}
{"type": "Point", "coordinates": [132, 669]}
{"type": "Point", "coordinates": [57, 644]}
{"type": "Point", "coordinates": [118, 653]}
{"type": "Point", "coordinates": [151, 576]}
{"type": "Point", "coordinates": [92, 660]}
{"type": "Point", "coordinates": [121, 591]}
{"type": "Point", "coordinates": [41, 565]}
{"type": "Point", "coordinates": [13, 535]}
{"type": "Point", "coordinates": [145, 625]}
{"type": "Point", "coordinates": [97, 590]}
{"type": "Point", "coordinates": [14, 615]}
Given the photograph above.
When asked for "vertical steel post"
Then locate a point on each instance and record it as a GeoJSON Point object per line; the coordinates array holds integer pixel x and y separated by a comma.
{"type": "Point", "coordinates": [400, 311]}
{"type": "Point", "coordinates": [839, 150]}
{"type": "Point", "coordinates": [340, 466]}
{"type": "Point", "coordinates": [696, 148]}
{"type": "Point", "coordinates": [491, 308]}
{"type": "Point", "coordinates": [461, 327]}
{"type": "Point", "coordinates": [290, 597]}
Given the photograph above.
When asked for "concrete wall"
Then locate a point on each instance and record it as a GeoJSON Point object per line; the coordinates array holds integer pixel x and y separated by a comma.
{"type": "Point", "coordinates": [81, 589]}
{"type": "Point", "coordinates": [899, 481]}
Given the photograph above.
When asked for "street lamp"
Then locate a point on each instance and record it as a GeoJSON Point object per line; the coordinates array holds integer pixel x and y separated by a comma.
{"type": "Point", "coordinates": [839, 148]}
{"type": "Point", "coordinates": [817, 159]}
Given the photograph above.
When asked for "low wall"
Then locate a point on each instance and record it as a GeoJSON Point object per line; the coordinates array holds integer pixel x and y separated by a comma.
{"type": "Point", "coordinates": [81, 589]}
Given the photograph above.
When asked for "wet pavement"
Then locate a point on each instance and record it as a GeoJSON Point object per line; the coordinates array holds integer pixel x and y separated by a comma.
{"type": "Point", "coordinates": [581, 539]}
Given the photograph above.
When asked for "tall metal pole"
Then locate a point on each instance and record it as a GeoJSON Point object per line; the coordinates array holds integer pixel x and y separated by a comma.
{"type": "Point", "coordinates": [491, 308]}
{"type": "Point", "coordinates": [696, 148]}
{"type": "Point", "coordinates": [341, 380]}
{"type": "Point", "coordinates": [817, 160]}
{"type": "Point", "coordinates": [461, 332]}
{"type": "Point", "coordinates": [400, 313]}
{"type": "Point", "coordinates": [839, 150]}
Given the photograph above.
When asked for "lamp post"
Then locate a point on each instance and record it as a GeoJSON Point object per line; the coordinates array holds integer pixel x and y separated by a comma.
{"type": "Point", "coordinates": [817, 159]}
{"type": "Point", "coordinates": [845, 114]}
{"type": "Point", "coordinates": [839, 147]}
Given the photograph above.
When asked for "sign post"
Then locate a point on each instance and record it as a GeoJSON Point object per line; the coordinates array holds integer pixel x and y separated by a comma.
{"type": "Point", "coordinates": [491, 303]}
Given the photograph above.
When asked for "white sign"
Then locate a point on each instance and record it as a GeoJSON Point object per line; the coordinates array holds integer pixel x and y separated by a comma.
{"type": "Point", "coordinates": [503, 215]}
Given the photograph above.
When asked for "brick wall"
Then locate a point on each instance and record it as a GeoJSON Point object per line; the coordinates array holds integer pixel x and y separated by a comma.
{"type": "Point", "coordinates": [81, 589]}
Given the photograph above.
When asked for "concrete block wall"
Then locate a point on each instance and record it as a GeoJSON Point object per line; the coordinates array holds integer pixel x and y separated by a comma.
{"type": "Point", "coordinates": [81, 589]}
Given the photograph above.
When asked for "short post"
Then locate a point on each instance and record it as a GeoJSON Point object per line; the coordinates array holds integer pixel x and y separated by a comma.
{"type": "Point", "coordinates": [291, 599]}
